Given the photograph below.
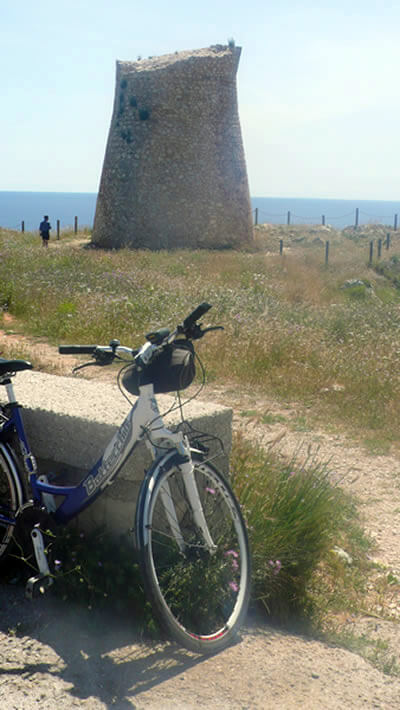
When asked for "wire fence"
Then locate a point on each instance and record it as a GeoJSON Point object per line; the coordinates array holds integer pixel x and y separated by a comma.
{"type": "Point", "coordinates": [58, 226]}
{"type": "Point", "coordinates": [355, 217]}
{"type": "Point", "coordinates": [375, 248]}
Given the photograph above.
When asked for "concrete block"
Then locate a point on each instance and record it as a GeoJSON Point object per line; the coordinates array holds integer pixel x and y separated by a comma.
{"type": "Point", "coordinates": [69, 422]}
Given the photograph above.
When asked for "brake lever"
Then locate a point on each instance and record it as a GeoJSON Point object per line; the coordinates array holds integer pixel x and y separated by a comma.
{"type": "Point", "coordinates": [101, 359]}
{"type": "Point", "coordinates": [199, 331]}
{"type": "Point", "coordinates": [80, 367]}
{"type": "Point", "coordinates": [212, 327]}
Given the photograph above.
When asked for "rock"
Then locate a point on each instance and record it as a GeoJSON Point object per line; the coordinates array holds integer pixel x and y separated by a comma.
{"type": "Point", "coordinates": [343, 555]}
{"type": "Point", "coordinates": [351, 283]}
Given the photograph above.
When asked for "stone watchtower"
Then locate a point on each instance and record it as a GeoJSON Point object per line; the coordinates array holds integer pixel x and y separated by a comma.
{"type": "Point", "coordinates": [174, 172]}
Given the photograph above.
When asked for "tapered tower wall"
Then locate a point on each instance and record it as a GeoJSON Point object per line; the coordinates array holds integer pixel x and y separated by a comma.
{"type": "Point", "coordinates": [174, 173]}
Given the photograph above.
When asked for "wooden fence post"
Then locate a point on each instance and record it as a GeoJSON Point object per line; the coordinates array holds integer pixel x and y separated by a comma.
{"type": "Point", "coordinates": [288, 217]}
{"type": "Point", "coordinates": [371, 252]}
{"type": "Point", "coordinates": [357, 215]}
{"type": "Point", "coordinates": [22, 226]}
{"type": "Point", "coordinates": [76, 225]}
{"type": "Point", "coordinates": [379, 248]}
{"type": "Point", "coordinates": [387, 240]}
{"type": "Point", "coordinates": [256, 216]}
{"type": "Point", "coordinates": [326, 253]}
{"type": "Point", "coordinates": [395, 223]}
{"type": "Point", "coordinates": [323, 220]}
{"type": "Point", "coordinates": [58, 229]}
{"type": "Point", "coordinates": [281, 246]}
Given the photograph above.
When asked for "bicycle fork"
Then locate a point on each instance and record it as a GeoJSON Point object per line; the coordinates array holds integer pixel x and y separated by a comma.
{"type": "Point", "coordinates": [193, 497]}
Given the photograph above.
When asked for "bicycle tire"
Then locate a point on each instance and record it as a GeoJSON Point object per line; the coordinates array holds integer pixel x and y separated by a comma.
{"type": "Point", "coordinates": [199, 598]}
{"type": "Point", "coordinates": [11, 496]}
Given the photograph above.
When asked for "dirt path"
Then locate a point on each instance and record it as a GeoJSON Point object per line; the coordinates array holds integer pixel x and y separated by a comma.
{"type": "Point", "coordinates": [54, 655]}
{"type": "Point", "coordinates": [64, 657]}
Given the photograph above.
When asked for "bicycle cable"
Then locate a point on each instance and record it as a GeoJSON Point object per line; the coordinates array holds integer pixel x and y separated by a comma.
{"type": "Point", "coordinates": [192, 432]}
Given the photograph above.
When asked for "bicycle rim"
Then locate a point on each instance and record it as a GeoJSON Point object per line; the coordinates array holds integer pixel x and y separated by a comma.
{"type": "Point", "coordinates": [200, 597]}
{"type": "Point", "coordinates": [9, 504]}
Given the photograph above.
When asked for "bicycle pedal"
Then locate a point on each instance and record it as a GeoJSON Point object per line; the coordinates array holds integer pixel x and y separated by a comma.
{"type": "Point", "coordinates": [37, 585]}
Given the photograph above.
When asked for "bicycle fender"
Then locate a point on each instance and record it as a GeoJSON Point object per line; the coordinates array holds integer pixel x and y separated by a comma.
{"type": "Point", "coordinates": [141, 537]}
{"type": "Point", "coordinates": [145, 492]}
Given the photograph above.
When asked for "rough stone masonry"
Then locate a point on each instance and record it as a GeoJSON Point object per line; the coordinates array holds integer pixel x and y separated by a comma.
{"type": "Point", "coordinates": [174, 172]}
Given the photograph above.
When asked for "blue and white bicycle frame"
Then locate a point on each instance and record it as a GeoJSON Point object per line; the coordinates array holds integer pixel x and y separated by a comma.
{"type": "Point", "coordinates": [143, 422]}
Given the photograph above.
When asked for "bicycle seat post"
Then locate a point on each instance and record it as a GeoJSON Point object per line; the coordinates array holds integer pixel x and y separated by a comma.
{"type": "Point", "coordinates": [9, 390]}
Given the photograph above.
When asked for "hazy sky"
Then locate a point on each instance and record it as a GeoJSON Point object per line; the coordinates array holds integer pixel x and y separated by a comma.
{"type": "Point", "coordinates": [318, 88]}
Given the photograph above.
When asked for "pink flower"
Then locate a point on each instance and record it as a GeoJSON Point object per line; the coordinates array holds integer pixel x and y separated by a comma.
{"type": "Point", "coordinates": [233, 586]}
{"type": "Point", "coordinates": [277, 565]}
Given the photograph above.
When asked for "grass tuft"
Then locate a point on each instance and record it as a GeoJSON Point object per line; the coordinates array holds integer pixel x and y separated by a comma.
{"type": "Point", "coordinates": [297, 517]}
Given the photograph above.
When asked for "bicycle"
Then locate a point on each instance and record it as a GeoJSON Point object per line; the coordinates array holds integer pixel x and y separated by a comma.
{"type": "Point", "coordinates": [189, 532]}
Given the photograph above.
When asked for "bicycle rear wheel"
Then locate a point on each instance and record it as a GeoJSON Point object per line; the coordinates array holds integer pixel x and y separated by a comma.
{"type": "Point", "coordinates": [199, 597]}
{"type": "Point", "coordinates": [11, 497]}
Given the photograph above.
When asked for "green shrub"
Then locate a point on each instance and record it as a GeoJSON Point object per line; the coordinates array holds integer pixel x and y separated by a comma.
{"type": "Point", "coordinates": [295, 515]}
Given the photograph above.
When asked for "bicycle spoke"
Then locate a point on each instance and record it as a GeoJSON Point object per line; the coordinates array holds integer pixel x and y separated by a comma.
{"type": "Point", "coordinates": [200, 591]}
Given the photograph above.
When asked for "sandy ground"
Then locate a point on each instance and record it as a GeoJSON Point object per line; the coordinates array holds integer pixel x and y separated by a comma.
{"type": "Point", "coordinates": [55, 655]}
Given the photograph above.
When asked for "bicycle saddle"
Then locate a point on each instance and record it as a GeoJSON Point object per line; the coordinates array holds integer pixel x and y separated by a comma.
{"type": "Point", "coordinates": [7, 366]}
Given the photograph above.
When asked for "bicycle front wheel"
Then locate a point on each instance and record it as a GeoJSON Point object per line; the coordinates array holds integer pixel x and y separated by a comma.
{"type": "Point", "coordinates": [199, 593]}
{"type": "Point", "coordinates": [11, 497]}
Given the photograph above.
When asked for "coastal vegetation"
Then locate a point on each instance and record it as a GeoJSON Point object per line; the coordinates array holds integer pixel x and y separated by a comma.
{"type": "Point", "coordinates": [322, 335]}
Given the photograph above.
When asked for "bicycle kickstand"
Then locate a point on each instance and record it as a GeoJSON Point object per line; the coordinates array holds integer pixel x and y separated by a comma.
{"type": "Point", "coordinates": [44, 580]}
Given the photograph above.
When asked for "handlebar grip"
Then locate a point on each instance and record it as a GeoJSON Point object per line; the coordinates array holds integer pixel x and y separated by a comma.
{"type": "Point", "coordinates": [77, 349]}
{"type": "Point", "coordinates": [196, 314]}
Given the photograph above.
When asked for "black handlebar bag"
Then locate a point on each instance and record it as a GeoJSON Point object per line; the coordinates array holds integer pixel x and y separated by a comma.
{"type": "Point", "coordinates": [174, 369]}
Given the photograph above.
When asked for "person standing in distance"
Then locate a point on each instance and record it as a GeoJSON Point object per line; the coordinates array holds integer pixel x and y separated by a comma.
{"type": "Point", "coordinates": [44, 229]}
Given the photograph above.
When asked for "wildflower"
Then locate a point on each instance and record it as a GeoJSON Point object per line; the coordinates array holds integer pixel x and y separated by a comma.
{"type": "Point", "coordinates": [57, 565]}
{"type": "Point", "coordinates": [233, 586]}
{"type": "Point", "coordinates": [233, 553]}
{"type": "Point", "coordinates": [277, 566]}
{"type": "Point", "coordinates": [210, 490]}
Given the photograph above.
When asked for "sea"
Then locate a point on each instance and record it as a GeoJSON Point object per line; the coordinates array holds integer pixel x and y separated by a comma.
{"type": "Point", "coordinates": [30, 207]}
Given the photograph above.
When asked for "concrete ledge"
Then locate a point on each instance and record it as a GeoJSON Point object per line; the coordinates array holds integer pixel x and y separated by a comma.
{"type": "Point", "coordinates": [69, 421]}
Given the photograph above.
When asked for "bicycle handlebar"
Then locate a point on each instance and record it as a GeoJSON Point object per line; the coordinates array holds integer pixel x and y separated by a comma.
{"type": "Point", "coordinates": [156, 341]}
{"type": "Point", "coordinates": [76, 349]}
{"type": "Point", "coordinates": [195, 315]}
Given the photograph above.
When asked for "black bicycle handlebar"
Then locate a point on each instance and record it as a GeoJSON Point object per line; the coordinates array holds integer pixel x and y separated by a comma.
{"type": "Point", "coordinates": [195, 315]}
{"type": "Point", "coordinates": [76, 349]}
{"type": "Point", "coordinates": [106, 354]}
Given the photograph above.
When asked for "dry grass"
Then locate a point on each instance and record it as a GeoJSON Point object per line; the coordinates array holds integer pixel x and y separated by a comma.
{"type": "Point", "coordinates": [291, 329]}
